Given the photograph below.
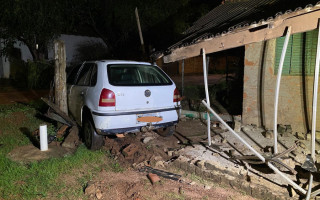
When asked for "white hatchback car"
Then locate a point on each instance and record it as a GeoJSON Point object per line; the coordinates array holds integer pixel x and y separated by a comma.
{"type": "Point", "coordinates": [109, 97]}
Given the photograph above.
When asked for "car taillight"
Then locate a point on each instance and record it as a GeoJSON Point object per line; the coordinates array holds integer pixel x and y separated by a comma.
{"type": "Point", "coordinates": [107, 98]}
{"type": "Point", "coordinates": [176, 95]}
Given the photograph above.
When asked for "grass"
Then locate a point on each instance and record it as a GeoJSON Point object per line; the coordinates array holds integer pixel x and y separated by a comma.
{"type": "Point", "coordinates": [174, 196]}
{"type": "Point", "coordinates": [56, 178]}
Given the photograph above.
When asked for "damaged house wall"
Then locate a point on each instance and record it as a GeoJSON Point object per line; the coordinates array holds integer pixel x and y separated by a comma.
{"type": "Point", "coordinates": [295, 98]}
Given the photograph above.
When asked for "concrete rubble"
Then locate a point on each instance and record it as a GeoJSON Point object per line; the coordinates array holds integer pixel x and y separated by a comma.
{"type": "Point", "coordinates": [218, 164]}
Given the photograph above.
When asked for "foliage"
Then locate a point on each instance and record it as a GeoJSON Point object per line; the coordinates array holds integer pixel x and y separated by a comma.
{"type": "Point", "coordinates": [40, 21]}
{"type": "Point", "coordinates": [31, 22]}
{"type": "Point", "coordinates": [90, 51]}
{"type": "Point", "coordinates": [40, 74]}
{"type": "Point", "coordinates": [32, 75]}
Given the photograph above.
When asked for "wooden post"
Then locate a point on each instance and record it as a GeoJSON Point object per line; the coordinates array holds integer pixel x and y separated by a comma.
{"type": "Point", "coordinates": [60, 76]}
{"type": "Point", "coordinates": [140, 33]}
{"type": "Point", "coordinates": [182, 77]}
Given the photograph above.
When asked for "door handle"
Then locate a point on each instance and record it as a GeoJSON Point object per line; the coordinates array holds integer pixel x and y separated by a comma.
{"type": "Point", "coordinates": [82, 93]}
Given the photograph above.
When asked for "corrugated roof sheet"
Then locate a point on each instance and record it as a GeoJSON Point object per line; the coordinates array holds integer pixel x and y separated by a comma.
{"type": "Point", "coordinates": [230, 16]}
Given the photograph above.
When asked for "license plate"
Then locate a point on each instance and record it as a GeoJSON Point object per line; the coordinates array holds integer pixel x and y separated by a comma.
{"type": "Point", "coordinates": [148, 118]}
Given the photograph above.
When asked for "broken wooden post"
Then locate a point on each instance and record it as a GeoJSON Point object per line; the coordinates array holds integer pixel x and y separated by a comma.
{"type": "Point", "coordinates": [60, 76]}
{"type": "Point", "coordinates": [140, 33]}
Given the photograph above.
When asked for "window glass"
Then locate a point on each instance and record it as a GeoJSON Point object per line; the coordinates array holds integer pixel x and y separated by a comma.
{"type": "Point", "coordinates": [84, 76]}
{"type": "Point", "coordinates": [93, 80]}
{"type": "Point", "coordinates": [73, 74]}
{"type": "Point", "coordinates": [136, 75]}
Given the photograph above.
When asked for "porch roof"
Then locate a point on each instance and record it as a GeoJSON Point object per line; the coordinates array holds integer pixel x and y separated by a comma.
{"type": "Point", "coordinates": [236, 24]}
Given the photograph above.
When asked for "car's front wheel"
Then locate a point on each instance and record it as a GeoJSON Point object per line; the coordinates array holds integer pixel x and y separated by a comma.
{"type": "Point", "coordinates": [92, 139]}
{"type": "Point", "coordinates": [165, 132]}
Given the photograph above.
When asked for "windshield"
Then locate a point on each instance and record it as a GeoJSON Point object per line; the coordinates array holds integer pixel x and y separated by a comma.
{"type": "Point", "coordinates": [136, 75]}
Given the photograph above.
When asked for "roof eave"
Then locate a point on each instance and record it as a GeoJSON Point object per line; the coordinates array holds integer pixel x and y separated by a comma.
{"type": "Point", "coordinates": [300, 21]}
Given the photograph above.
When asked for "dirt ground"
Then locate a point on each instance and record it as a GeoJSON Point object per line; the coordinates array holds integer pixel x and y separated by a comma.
{"type": "Point", "coordinates": [14, 96]}
{"type": "Point", "coordinates": [136, 185]}
{"type": "Point", "coordinates": [189, 141]}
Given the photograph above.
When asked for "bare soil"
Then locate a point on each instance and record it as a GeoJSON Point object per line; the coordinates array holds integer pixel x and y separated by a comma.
{"type": "Point", "coordinates": [134, 185]}
{"type": "Point", "coordinates": [12, 95]}
{"type": "Point", "coordinates": [30, 153]}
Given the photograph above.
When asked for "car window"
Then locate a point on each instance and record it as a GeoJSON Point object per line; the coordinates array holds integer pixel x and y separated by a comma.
{"type": "Point", "coordinates": [136, 75]}
{"type": "Point", "coordinates": [84, 76]}
{"type": "Point", "coordinates": [93, 79]}
{"type": "Point", "coordinates": [73, 74]}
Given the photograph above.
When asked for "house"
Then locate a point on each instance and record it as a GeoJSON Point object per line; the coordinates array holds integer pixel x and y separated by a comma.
{"type": "Point", "coordinates": [72, 43]}
{"type": "Point", "coordinates": [257, 27]}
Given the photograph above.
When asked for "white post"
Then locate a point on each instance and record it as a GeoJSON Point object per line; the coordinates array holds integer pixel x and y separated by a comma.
{"type": "Point", "coordinates": [205, 77]}
{"type": "Point", "coordinates": [303, 191]}
{"type": "Point", "coordinates": [276, 96]}
{"type": "Point", "coordinates": [314, 110]}
{"type": "Point", "coordinates": [43, 138]}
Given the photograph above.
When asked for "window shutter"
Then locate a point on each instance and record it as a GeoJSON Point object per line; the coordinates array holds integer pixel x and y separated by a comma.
{"type": "Point", "coordinates": [311, 51]}
{"type": "Point", "coordinates": [297, 54]}
{"type": "Point", "coordinates": [301, 53]}
{"type": "Point", "coordinates": [287, 60]}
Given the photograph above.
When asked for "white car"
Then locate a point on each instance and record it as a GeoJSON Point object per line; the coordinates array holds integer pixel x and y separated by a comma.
{"type": "Point", "coordinates": [108, 97]}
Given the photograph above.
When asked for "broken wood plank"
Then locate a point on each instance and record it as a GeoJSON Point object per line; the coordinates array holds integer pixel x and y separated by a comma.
{"type": "Point", "coordinates": [59, 112]}
{"type": "Point", "coordinates": [57, 118]}
{"type": "Point", "coordinates": [161, 173]}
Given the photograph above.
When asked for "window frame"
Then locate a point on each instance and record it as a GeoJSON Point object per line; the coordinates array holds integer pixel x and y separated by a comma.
{"type": "Point", "coordinates": [165, 76]}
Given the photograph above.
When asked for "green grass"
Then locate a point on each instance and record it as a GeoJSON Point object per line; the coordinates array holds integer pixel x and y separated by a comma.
{"type": "Point", "coordinates": [43, 179]}
{"type": "Point", "coordinates": [174, 196]}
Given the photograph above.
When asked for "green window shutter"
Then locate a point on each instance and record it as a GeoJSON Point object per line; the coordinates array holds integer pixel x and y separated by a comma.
{"type": "Point", "coordinates": [287, 60]}
{"type": "Point", "coordinates": [301, 53]}
{"type": "Point", "coordinates": [297, 54]}
{"type": "Point", "coordinates": [311, 51]}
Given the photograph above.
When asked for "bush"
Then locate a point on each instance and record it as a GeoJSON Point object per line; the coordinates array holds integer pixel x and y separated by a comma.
{"type": "Point", "coordinates": [40, 74]}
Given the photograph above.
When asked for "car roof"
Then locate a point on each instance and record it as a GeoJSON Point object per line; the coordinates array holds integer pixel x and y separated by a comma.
{"type": "Point", "coordinates": [119, 62]}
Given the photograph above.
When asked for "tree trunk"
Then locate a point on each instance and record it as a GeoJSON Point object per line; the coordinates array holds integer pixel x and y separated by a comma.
{"type": "Point", "coordinates": [60, 76]}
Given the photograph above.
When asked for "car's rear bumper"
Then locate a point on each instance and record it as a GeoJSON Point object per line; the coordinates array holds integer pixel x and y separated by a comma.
{"type": "Point", "coordinates": [132, 129]}
{"type": "Point", "coordinates": [120, 122]}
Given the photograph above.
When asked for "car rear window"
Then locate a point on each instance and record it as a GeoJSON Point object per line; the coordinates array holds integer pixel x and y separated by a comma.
{"type": "Point", "coordinates": [136, 75]}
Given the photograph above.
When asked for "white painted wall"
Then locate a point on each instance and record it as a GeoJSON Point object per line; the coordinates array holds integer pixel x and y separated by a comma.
{"type": "Point", "coordinates": [25, 53]}
{"type": "Point", "coordinates": [4, 66]}
{"type": "Point", "coordinates": [71, 42]}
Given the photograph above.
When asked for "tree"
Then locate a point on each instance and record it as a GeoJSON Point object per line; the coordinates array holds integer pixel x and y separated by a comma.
{"type": "Point", "coordinates": [33, 22]}
{"type": "Point", "coordinates": [114, 21]}
{"type": "Point", "coordinates": [37, 22]}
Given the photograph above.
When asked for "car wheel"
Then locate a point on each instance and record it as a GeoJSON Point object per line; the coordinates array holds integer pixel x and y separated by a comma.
{"type": "Point", "coordinates": [165, 132]}
{"type": "Point", "coordinates": [92, 139]}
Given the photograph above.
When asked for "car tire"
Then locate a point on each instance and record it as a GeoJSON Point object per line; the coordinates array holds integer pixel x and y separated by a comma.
{"type": "Point", "coordinates": [92, 139]}
{"type": "Point", "coordinates": [166, 132]}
